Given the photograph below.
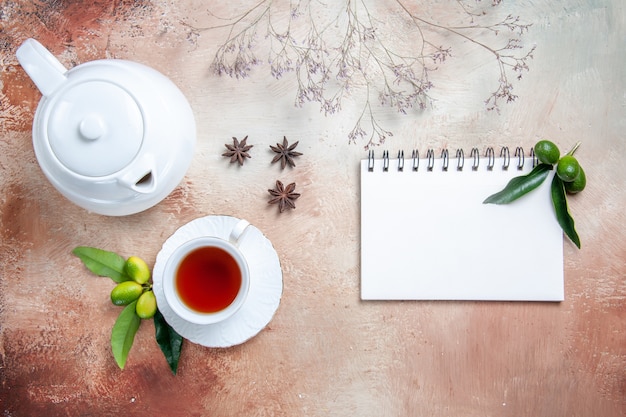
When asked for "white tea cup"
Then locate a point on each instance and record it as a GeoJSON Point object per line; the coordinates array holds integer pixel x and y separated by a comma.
{"type": "Point", "coordinates": [206, 279]}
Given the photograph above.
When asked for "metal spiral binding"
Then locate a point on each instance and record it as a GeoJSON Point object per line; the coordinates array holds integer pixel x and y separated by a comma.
{"type": "Point", "coordinates": [475, 153]}
{"type": "Point", "coordinates": [416, 159]}
{"type": "Point", "coordinates": [533, 157]}
{"type": "Point", "coordinates": [506, 156]}
{"type": "Point", "coordinates": [430, 155]}
{"type": "Point", "coordinates": [460, 158]}
{"type": "Point", "coordinates": [490, 156]}
{"type": "Point", "coordinates": [519, 153]}
{"type": "Point", "coordinates": [445, 158]}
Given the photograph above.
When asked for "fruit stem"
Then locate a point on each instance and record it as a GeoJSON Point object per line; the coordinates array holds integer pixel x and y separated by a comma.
{"type": "Point", "coordinates": [571, 152]}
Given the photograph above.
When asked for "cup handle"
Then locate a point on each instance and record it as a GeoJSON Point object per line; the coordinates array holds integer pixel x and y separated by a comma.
{"type": "Point", "coordinates": [238, 231]}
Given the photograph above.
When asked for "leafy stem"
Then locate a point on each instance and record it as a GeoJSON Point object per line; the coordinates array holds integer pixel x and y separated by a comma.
{"type": "Point", "coordinates": [109, 264]}
{"type": "Point", "coordinates": [123, 333]}
{"type": "Point", "coordinates": [574, 148]}
{"type": "Point", "coordinates": [559, 200]}
{"type": "Point", "coordinates": [521, 185]}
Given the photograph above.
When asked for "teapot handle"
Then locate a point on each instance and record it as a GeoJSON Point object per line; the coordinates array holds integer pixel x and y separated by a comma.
{"type": "Point", "coordinates": [41, 66]}
{"type": "Point", "coordinates": [142, 177]}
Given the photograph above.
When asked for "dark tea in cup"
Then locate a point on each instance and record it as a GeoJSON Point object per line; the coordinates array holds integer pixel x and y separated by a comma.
{"type": "Point", "coordinates": [208, 279]}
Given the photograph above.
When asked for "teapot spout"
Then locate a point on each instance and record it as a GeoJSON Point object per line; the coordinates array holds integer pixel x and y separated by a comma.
{"type": "Point", "coordinates": [141, 177]}
{"type": "Point", "coordinates": [41, 66]}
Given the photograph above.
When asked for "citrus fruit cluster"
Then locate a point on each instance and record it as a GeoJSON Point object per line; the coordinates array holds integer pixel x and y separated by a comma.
{"type": "Point", "coordinates": [567, 167]}
{"type": "Point", "coordinates": [137, 288]}
{"type": "Point", "coordinates": [568, 179]}
{"type": "Point", "coordinates": [133, 290]}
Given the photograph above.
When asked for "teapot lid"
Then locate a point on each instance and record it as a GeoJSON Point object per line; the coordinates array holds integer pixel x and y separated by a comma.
{"type": "Point", "coordinates": [95, 128]}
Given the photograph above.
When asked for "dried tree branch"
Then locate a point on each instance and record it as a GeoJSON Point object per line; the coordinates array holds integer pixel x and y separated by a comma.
{"type": "Point", "coordinates": [332, 58]}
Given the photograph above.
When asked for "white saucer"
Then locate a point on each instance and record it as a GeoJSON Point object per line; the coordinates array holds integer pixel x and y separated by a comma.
{"type": "Point", "coordinates": [266, 284]}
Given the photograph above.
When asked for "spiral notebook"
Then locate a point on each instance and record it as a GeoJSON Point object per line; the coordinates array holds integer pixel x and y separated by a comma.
{"type": "Point", "coordinates": [426, 234]}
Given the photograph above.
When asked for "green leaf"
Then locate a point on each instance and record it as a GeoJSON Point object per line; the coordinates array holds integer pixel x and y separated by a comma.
{"type": "Point", "coordinates": [170, 342]}
{"type": "Point", "coordinates": [102, 263]}
{"type": "Point", "coordinates": [123, 333]}
{"type": "Point", "coordinates": [559, 200]}
{"type": "Point", "coordinates": [520, 186]}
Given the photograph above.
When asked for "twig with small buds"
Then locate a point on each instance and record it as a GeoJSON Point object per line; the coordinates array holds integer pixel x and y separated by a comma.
{"type": "Point", "coordinates": [331, 58]}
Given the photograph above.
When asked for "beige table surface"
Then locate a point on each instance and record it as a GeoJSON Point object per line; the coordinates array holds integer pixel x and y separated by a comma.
{"type": "Point", "coordinates": [325, 353]}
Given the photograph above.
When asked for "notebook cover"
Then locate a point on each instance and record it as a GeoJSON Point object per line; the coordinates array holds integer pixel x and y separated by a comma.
{"type": "Point", "coordinates": [428, 236]}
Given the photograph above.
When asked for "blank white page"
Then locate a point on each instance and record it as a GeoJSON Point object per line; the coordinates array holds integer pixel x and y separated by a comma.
{"type": "Point", "coordinates": [426, 235]}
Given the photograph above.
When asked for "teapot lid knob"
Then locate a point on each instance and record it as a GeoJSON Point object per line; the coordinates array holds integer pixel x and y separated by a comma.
{"type": "Point", "coordinates": [92, 127]}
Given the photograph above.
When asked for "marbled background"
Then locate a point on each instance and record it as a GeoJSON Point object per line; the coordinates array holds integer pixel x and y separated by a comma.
{"type": "Point", "coordinates": [326, 353]}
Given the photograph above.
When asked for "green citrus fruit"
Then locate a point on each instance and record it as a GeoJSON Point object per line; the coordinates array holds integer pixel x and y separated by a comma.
{"type": "Point", "coordinates": [568, 168]}
{"type": "Point", "coordinates": [547, 152]}
{"type": "Point", "coordinates": [137, 269]}
{"type": "Point", "coordinates": [125, 293]}
{"type": "Point", "coordinates": [578, 184]}
{"type": "Point", "coordinates": [146, 305]}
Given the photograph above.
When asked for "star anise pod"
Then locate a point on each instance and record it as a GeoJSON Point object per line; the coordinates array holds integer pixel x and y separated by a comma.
{"type": "Point", "coordinates": [238, 151]}
{"type": "Point", "coordinates": [285, 153]}
{"type": "Point", "coordinates": [283, 196]}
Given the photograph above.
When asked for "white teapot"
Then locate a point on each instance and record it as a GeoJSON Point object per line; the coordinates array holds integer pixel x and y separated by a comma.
{"type": "Point", "coordinates": [113, 136]}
